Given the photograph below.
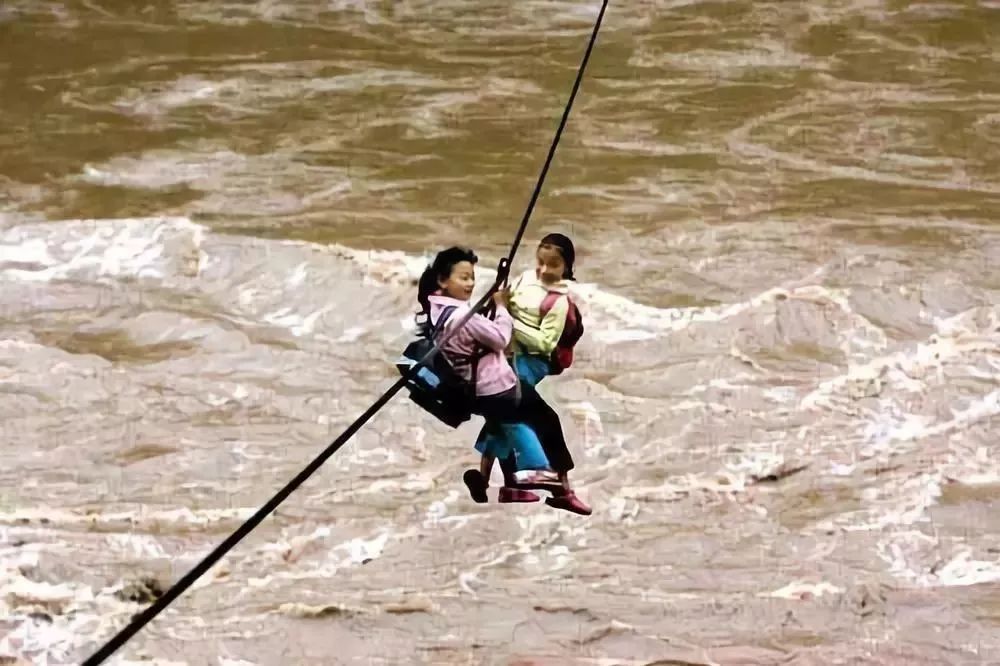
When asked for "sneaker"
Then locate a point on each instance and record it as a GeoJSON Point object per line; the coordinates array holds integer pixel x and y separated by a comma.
{"type": "Point", "coordinates": [512, 495]}
{"type": "Point", "coordinates": [569, 502]}
{"type": "Point", "coordinates": [529, 476]}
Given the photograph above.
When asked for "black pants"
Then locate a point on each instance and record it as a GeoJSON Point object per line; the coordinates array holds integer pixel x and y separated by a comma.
{"type": "Point", "coordinates": [533, 411]}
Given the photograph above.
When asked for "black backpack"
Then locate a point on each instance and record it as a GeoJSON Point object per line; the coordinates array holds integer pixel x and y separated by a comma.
{"type": "Point", "coordinates": [437, 387]}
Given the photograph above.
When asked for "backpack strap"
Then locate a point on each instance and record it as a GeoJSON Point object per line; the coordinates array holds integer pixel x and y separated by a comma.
{"type": "Point", "coordinates": [435, 327]}
{"type": "Point", "coordinates": [550, 300]}
{"type": "Point", "coordinates": [573, 329]}
{"type": "Point", "coordinates": [478, 351]}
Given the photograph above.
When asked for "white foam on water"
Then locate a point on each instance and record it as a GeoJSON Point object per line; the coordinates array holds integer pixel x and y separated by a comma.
{"type": "Point", "coordinates": [53, 620]}
{"type": "Point", "coordinates": [761, 54]}
{"type": "Point", "coordinates": [174, 251]}
{"type": "Point", "coordinates": [154, 248]}
{"type": "Point", "coordinates": [150, 249]}
{"type": "Point", "coordinates": [923, 561]}
{"type": "Point", "coordinates": [76, 613]}
{"type": "Point", "coordinates": [534, 549]}
{"type": "Point", "coordinates": [618, 318]}
{"type": "Point", "coordinates": [247, 93]}
{"type": "Point", "coordinates": [910, 370]}
{"type": "Point", "coordinates": [180, 517]}
{"type": "Point", "coordinates": [224, 661]}
{"type": "Point", "coordinates": [163, 169]}
{"type": "Point", "coordinates": [317, 556]}
{"type": "Point", "coordinates": [884, 397]}
{"type": "Point", "coordinates": [803, 590]}
{"type": "Point", "coordinates": [962, 569]}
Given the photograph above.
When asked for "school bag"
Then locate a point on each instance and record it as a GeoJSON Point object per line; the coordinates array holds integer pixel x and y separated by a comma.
{"type": "Point", "coordinates": [438, 388]}
{"type": "Point", "coordinates": [562, 356]}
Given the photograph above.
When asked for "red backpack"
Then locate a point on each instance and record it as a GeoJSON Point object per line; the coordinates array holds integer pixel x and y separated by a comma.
{"type": "Point", "coordinates": [562, 355]}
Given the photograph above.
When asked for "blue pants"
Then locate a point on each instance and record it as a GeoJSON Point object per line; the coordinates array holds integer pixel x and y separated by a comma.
{"type": "Point", "coordinates": [502, 439]}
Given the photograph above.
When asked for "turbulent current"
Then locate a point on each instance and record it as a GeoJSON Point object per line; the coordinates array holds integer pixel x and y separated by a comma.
{"type": "Point", "coordinates": [785, 410]}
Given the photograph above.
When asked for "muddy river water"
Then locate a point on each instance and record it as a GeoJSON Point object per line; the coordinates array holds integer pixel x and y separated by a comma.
{"type": "Point", "coordinates": [785, 410]}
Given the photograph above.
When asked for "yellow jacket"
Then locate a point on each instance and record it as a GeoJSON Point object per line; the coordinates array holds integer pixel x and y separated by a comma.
{"type": "Point", "coordinates": [533, 334]}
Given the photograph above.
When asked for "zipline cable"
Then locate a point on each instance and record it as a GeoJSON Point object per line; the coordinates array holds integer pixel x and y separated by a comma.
{"type": "Point", "coordinates": [503, 269]}
{"type": "Point", "coordinates": [555, 141]}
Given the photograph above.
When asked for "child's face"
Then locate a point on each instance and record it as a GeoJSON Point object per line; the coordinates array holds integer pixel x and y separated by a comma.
{"type": "Point", "coordinates": [551, 266]}
{"type": "Point", "coordinates": [461, 282]}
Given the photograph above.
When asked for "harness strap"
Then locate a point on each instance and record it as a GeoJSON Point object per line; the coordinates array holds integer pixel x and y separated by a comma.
{"type": "Point", "coordinates": [478, 350]}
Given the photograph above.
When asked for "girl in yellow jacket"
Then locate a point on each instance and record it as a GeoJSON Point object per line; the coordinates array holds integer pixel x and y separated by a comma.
{"type": "Point", "coordinates": [546, 325]}
{"type": "Point", "coordinates": [546, 322]}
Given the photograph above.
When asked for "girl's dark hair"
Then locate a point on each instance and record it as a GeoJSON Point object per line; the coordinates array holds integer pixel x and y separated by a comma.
{"type": "Point", "coordinates": [566, 249]}
{"type": "Point", "coordinates": [441, 269]}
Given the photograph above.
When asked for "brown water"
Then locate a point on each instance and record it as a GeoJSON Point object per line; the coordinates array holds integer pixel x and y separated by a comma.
{"type": "Point", "coordinates": [211, 214]}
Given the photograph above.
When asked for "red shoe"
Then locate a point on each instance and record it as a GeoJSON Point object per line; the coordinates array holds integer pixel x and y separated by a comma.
{"type": "Point", "coordinates": [513, 495]}
{"type": "Point", "coordinates": [569, 502]}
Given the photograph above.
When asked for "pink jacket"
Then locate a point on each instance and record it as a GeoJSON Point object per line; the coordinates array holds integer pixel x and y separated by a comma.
{"type": "Point", "coordinates": [494, 373]}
